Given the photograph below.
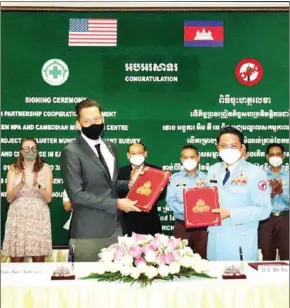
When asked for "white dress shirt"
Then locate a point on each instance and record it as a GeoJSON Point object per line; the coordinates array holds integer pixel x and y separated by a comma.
{"type": "Point", "coordinates": [108, 156]}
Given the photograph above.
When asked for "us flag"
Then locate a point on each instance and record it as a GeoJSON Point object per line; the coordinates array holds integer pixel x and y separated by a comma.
{"type": "Point", "coordinates": [92, 32]}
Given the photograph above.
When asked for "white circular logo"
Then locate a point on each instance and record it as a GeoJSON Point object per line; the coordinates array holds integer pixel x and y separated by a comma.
{"type": "Point", "coordinates": [55, 72]}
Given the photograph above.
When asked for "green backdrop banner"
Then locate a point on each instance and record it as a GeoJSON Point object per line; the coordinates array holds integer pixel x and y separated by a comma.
{"type": "Point", "coordinates": [151, 87]}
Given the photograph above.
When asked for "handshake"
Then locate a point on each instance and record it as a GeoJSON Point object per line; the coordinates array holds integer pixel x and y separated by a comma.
{"type": "Point", "coordinates": [125, 204]}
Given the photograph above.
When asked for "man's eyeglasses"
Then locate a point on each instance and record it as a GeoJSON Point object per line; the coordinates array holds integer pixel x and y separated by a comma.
{"type": "Point", "coordinates": [28, 149]}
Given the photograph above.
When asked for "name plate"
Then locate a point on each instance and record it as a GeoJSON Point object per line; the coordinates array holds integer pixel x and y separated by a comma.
{"type": "Point", "coordinates": [274, 269]}
{"type": "Point", "coordinates": [22, 271]}
{"type": "Point", "coordinates": [25, 275]}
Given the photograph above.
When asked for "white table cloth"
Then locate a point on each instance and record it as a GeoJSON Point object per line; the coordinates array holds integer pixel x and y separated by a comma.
{"type": "Point", "coordinates": [259, 290]}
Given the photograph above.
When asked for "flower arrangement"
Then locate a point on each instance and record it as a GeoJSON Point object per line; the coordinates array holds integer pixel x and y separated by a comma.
{"type": "Point", "coordinates": [143, 258]}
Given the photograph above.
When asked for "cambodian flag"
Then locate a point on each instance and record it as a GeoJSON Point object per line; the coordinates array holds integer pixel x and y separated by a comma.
{"type": "Point", "coordinates": [205, 33]}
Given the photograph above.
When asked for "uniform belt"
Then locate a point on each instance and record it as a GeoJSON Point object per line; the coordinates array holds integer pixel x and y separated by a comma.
{"type": "Point", "coordinates": [281, 213]}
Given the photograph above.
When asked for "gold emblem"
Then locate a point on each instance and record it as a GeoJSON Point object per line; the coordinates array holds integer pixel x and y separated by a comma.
{"type": "Point", "coordinates": [145, 190]}
{"type": "Point", "coordinates": [200, 207]}
{"type": "Point", "coordinates": [201, 182]}
{"type": "Point", "coordinates": [240, 180]}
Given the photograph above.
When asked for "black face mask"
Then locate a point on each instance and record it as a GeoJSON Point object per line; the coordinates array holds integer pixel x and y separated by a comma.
{"type": "Point", "coordinates": [94, 131]}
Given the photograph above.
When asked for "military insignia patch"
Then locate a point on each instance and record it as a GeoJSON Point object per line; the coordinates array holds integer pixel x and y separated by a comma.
{"type": "Point", "coordinates": [201, 182]}
{"type": "Point", "coordinates": [262, 185]}
{"type": "Point", "coordinates": [240, 180]}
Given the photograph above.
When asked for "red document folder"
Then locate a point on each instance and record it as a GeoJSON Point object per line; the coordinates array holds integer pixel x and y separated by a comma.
{"type": "Point", "coordinates": [148, 187]}
{"type": "Point", "coordinates": [198, 205]}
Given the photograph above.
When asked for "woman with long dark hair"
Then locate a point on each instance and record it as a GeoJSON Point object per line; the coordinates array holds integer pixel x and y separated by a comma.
{"type": "Point", "coordinates": [29, 190]}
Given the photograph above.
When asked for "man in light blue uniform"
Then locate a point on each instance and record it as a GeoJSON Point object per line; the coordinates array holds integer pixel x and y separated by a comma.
{"type": "Point", "coordinates": [188, 178]}
{"type": "Point", "coordinates": [274, 231]}
{"type": "Point", "coordinates": [244, 201]}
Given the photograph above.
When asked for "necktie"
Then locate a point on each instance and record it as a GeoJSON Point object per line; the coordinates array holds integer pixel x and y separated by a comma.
{"type": "Point", "coordinates": [227, 175]}
{"type": "Point", "coordinates": [102, 159]}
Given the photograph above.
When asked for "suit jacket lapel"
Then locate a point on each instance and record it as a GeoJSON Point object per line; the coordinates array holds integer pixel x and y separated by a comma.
{"type": "Point", "coordinates": [109, 146]}
{"type": "Point", "coordinates": [115, 171]}
{"type": "Point", "coordinates": [90, 153]}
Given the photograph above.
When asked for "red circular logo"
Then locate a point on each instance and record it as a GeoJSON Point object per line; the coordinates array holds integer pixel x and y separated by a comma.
{"type": "Point", "coordinates": [262, 185]}
{"type": "Point", "coordinates": [249, 72]}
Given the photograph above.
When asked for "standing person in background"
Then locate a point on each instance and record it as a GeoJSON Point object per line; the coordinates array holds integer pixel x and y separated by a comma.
{"type": "Point", "coordinates": [188, 178]}
{"type": "Point", "coordinates": [244, 200]}
{"type": "Point", "coordinates": [274, 231]}
{"type": "Point", "coordinates": [29, 190]}
{"type": "Point", "coordinates": [142, 223]}
{"type": "Point", "coordinates": [90, 173]}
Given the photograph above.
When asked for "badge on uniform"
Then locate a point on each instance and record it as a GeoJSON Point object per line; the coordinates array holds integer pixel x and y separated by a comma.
{"type": "Point", "coordinates": [240, 180]}
{"type": "Point", "coordinates": [262, 185]}
{"type": "Point", "coordinates": [201, 182]}
{"type": "Point", "coordinates": [181, 184]}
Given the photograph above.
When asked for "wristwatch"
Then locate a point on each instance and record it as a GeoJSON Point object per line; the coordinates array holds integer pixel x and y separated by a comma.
{"type": "Point", "coordinates": [39, 186]}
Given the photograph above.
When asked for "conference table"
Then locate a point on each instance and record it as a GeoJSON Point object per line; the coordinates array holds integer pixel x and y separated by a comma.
{"type": "Point", "coordinates": [28, 285]}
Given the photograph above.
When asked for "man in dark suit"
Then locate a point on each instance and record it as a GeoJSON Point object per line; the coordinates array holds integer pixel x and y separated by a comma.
{"type": "Point", "coordinates": [90, 174]}
{"type": "Point", "coordinates": [142, 223]}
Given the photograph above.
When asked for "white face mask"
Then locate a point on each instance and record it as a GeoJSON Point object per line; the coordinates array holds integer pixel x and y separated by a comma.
{"type": "Point", "coordinates": [189, 164]}
{"type": "Point", "coordinates": [137, 160]}
{"type": "Point", "coordinates": [230, 156]}
{"type": "Point", "coordinates": [275, 161]}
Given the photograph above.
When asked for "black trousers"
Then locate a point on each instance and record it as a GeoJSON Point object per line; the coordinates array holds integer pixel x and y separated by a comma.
{"type": "Point", "coordinates": [196, 237]}
{"type": "Point", "coordinates": [274, 234]}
